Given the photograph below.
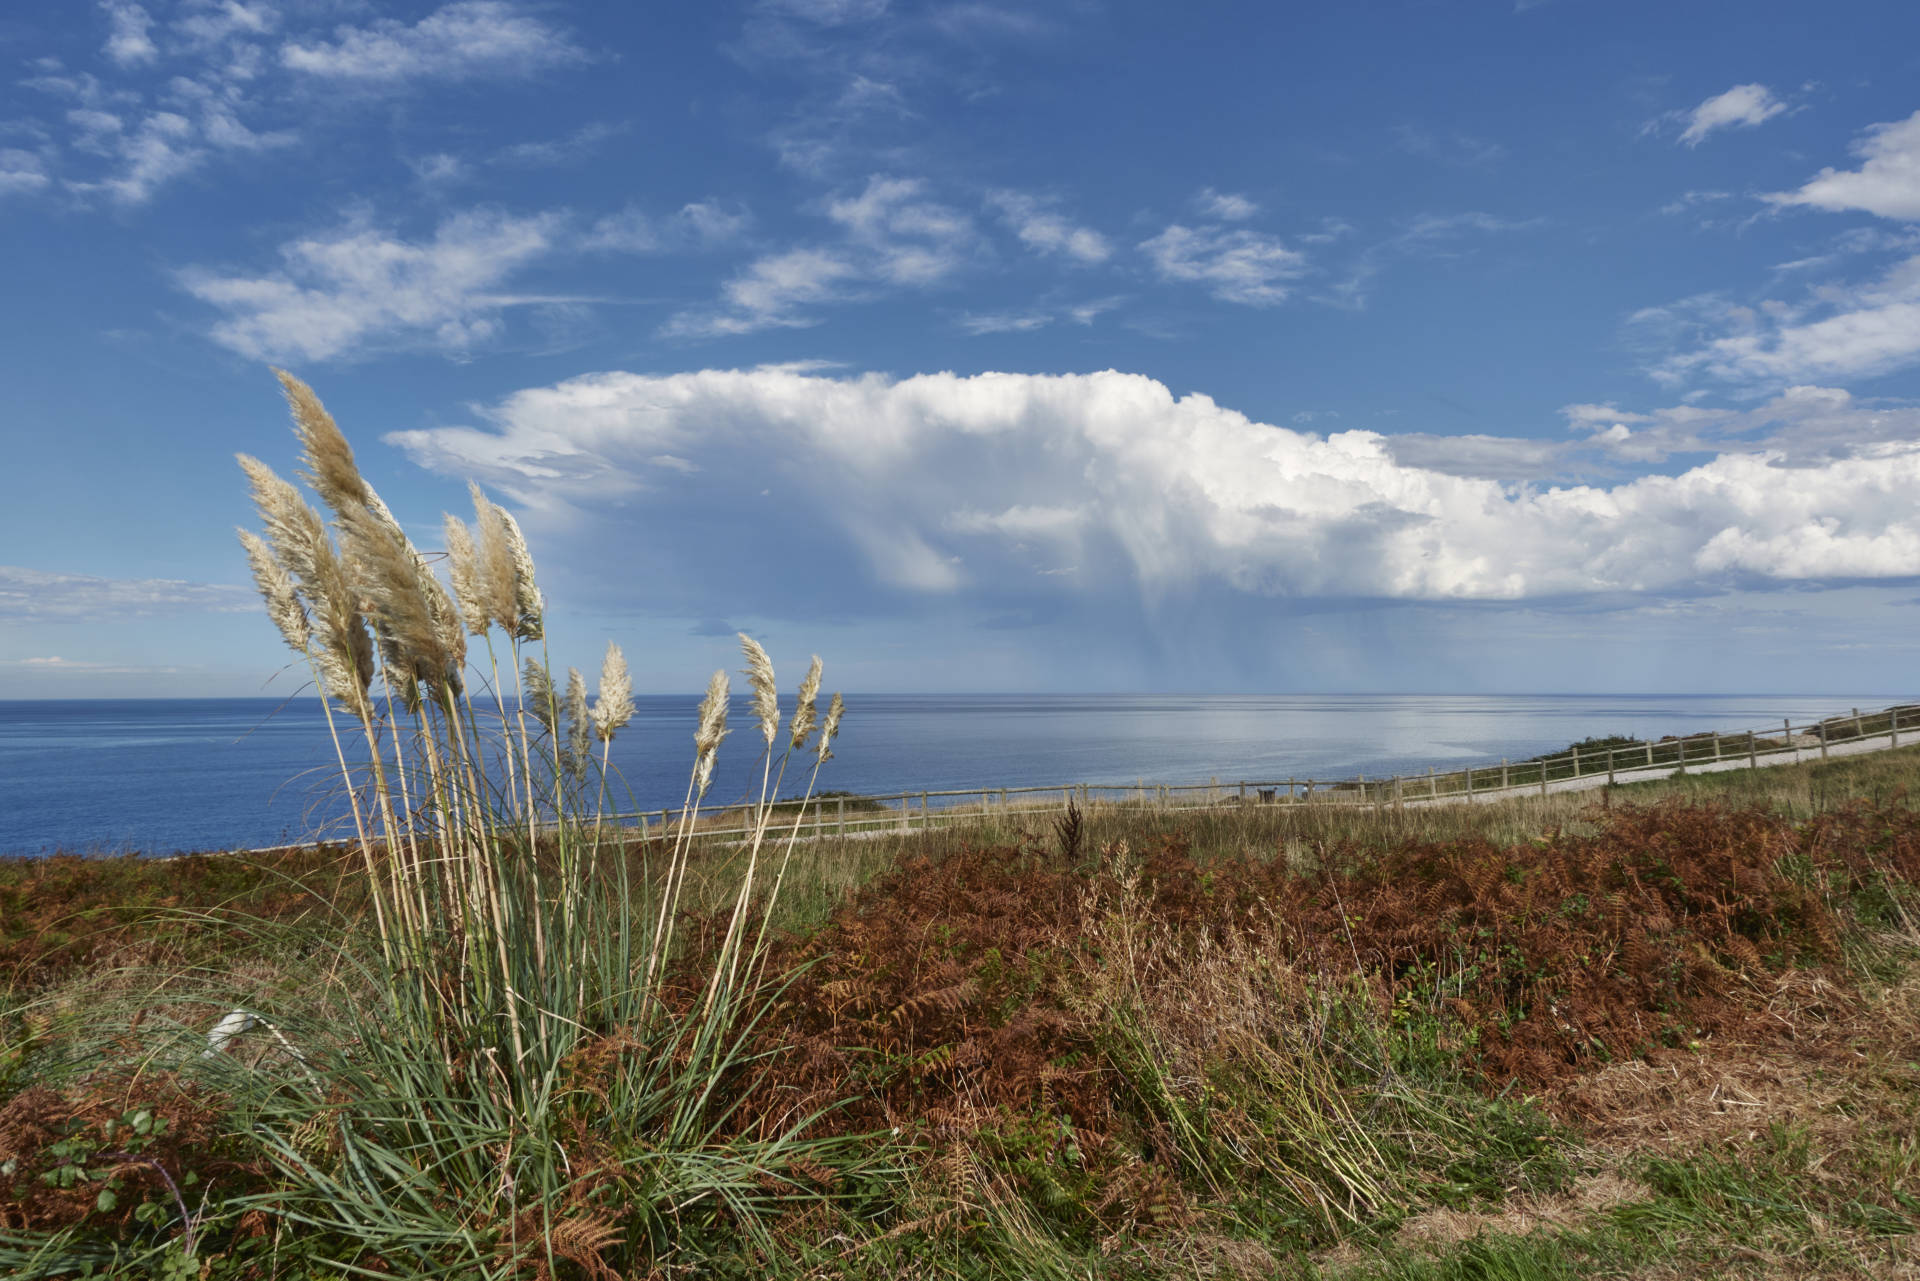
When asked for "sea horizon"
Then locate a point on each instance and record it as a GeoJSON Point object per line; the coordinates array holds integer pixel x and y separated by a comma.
{"type": "Point", "coordinates": [168, 775]}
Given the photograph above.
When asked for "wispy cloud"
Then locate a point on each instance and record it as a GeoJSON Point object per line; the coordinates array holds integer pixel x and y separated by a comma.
{"type": "Point", "coordinates": [1224, 205]}
{"type": "Point", "coordinates": [36, 596]}
{"type": "Point", "coordinates": [1741, 107]}
{"type": "Point", "coordinates": [1887, 183]}
{"type": "Point", "coordinates": [1835, 331]}
{"type": "Point", "coordinates": [701, 224]}
{"type": "Point", "coordinates": [1240, 265]}
{"type": "Point", "coordinates": [21, 172]}
{"type": "Point", "coordinates": [1043, 229]}
{"type": "Point", "coordinates": [338, 291]}
{"type": "Point", "coordinates": [461, 41]}
{"type": "Point", "coordinates": [128, 42]}
{"type": "Point", "coordinates": [1425, 236]}
{"type": "Point", "coordinates": [553, 152]}
{"type": "Point", "coordinates": [1012, 322]}
{"type": "Point", "coordinates": [893, 236]}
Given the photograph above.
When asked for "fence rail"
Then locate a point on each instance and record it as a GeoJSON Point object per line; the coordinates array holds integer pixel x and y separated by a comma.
{"type": "Point", "coordinates": [1587, 765]}
{"type": "Point", "coordinates": [1583, 766]}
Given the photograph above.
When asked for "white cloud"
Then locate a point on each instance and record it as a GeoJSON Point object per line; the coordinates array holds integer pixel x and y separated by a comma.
{"type": "Point", "coordinates": [892, 236]}
{"type": "Point", "coordinates": [35, 596]}
{"type": "Point", "coordinates": [128, 43]}
{"type": "Point", "coordinates": [1887, 182]}
{"type": "Point", "coordinates": [1012, 322]}
{"type": "Point", "coordinates": [213, 22]}
{"type": "Point", "coordinates": [1742, 106]}
{"type": "Point", "coordinates": [701, 224]}
{"type": "Point", "coordinates": [1837, 332]}
{"type": "Point", "coordinates": [1240, 266]}
{"type": "Point", "coordinates": [1224, 205]}
{"type": "Point", "coordinates": [438, 167]}
{"type": "Point", "coordinates": [341, 290]}
{"type": "Point", "coordinates": [1044, 231]}
{"type": "Point", "coordinates": [985, 487]}
{"type": "Point", "coordinates": [911, 240]}
{"type": "Point", "coordinates": [769, 293]}
{"type": "Point", "coordinates": [162, 148]}
{"type": "Point", "coordinates": [552, 152]}
{"type": "Point", "coordinates": [21, 171]}
{"type": "Point", "coordinates": [458, 41]}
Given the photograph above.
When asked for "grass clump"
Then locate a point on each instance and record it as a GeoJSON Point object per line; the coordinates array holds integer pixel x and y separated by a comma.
{"type": "Point", "coordinates": [422, 1107]}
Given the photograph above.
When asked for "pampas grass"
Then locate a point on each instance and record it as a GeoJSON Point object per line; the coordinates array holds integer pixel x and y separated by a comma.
{"type": "Point", "coordinates": [509, 935]}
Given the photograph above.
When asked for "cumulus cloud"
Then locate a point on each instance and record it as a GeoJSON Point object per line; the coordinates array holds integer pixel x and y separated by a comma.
{"type": "Point", "coordinates": [35, 596]}
{"type": "Point", "coordinates": [340, 290]}
{"type": "Point", "coordinates": [1837, 331]}
{"type": "Point", "coordinates": [1046, 231]}
{"type": "Point", "coordinates": [458, 41]}
{"type": "Point", "coordinates": [1240, 266]}
{"type": "Point", "coordinates": [1742, 106]}
{"type": "Point", "coordinates": [1014, 490]}
{"type": "Point", "coordinates": [1887, 182]}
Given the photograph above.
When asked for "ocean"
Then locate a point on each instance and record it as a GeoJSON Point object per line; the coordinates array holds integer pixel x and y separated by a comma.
{"type": "Point", "coordinates": [165, 775]}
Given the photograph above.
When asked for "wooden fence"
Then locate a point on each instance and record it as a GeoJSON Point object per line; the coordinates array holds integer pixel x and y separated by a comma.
{"type": "Point", "coordinates": [1583, 766]}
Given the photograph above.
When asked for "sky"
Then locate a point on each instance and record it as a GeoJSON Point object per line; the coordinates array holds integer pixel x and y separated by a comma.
{"type": "Point", "coordinates": [1067, 345]}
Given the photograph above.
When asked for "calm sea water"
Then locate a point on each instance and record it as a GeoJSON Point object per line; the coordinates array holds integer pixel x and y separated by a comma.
{"type": "Point", "coordinates": [156, 776]}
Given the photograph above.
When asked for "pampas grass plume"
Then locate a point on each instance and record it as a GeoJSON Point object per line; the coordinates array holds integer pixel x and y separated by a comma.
{"type": "Point", "coordinates": [496, 580]}
{"type": "Point", "coordinates": [536, 684]}
{"type": "Point", "coordinates": [766, 698]}
{"type": "Point", "coordinates": [804, 714]}
{"type": "Point", "coordinates": [277, 589]}
{"type": "Point", "coordinates": [713, 717]}
{"type": "Point", "coordinates": [579, 721]}
{"type": "Point", "coordinates": [530, 607]}
{"type": "Point", "coordinates": [831, 730]}
{"type": "Point", "coordinates": [463, 566]}
{"type": "Point", "coordinates": [330, 466]}
{"type": "Point", "coordinates": [613, 704]}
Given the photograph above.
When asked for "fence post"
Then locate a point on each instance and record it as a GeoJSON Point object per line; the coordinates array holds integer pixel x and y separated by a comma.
{"type": "Point", "coordinates": [1856, 723]}
{"type": "Point", "coordinates": [1433, 785]}
{"type": "Point", "coordinates": [1503, 773]}
{"type": "Point", "coordinates": [1399, 794]}
{"type": "Point", "coordinates": [1820, 728]}
{"type": "Point", "coordinates": [1894, 717]}
{"type": "Point", "coordinates": [1469, 782]}
{"type": "Point", "coordinates": [1543, 776]}
{"type": "Point", "coordinates": [842, 807]}
{"type": "Point", "coordinates": [1649, 751]}
{"type": "Point", "coordinates": [1309, 797]}
{"type": "Point", "coordinates": [1787, 729]}
{"type": "Point", "coordinates": [1753, 752]}
{"type": "Point", "coordinates": [1609, 767]}
{"type": "Point", "coordinates": [1576, 760]}
{"type": "Point", "coordinates": [1243, 791]}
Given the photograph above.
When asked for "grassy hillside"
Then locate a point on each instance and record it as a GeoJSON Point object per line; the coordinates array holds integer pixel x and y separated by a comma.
{"type": "Point", "coordinates": [1671, 1030]}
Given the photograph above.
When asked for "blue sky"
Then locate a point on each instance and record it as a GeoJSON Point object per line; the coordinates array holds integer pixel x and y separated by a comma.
{"type": "Point", "coordinates": [1563, 345]}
